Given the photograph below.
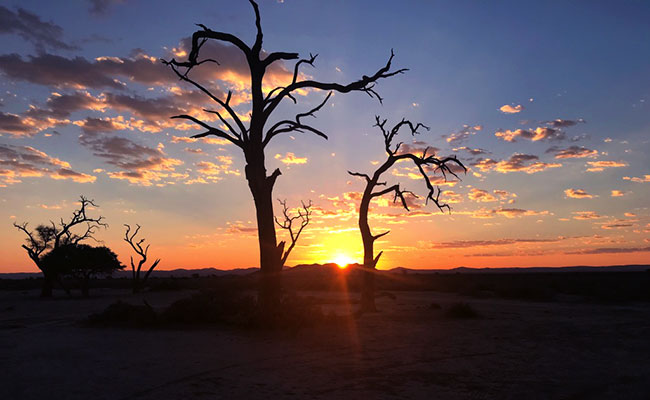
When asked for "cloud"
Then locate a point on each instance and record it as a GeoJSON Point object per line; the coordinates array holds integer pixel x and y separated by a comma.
{"type": "Point", "coordinates": [463, 134]}
{"type": "Point", "coordinates": [508, 109]}
{"type": "Point", "coordinates": [564, 123]}
{"type": "Point", "coordinates": [290, 158]}
{"type": "Point", "coordinates": [100, 7]}
{"type": "Point", "coordinates": [611, 250]}
{"type": "Point", "coordinates": [464, 244]}
{"type": "Point", "coordinates": [539, 133]}
{"type": "Point", "coordinates": [471, 151]}
{"type": "Point", "coordinates": [80, 73]}
{"type": "Point", "coordinates": [481, 196]}
{"type": "Point", "coordinates": [598, 166]}
{"type": "Point", "coordinates": [578, 194]}
{"type": "Point", "coordinates": [586, 215]}
{"type": "Point", "coordinates": [239, 228]}
{"type": "Point", "coordinates": [617, 225]}
{"type": "Point", "coordinates": [516, 163]}
{"type": "Point", "coordinates": [138, 164]}
{"type": "Point", "coordinates": [18, 126]}
{"type": "Point", "coordinates": [572, 152]}
{"type": "Point", "coordinates": [213, 171]}
{"type": "Point", "coordinates": [451, 197]}
{"type": "Point", "coordinates": [208, 140]}
{"type": "Point", "coordinates": [233, 68]}
{"type": "Point", "coordinates": [30, 27]}
{"type": "Point", "coordinates": [618, 193]}
{"type": "Point", "coordinates": [645, 178]}
{"type": "Point", "coordinates": [502, 211]}
{"type": "Point", "coordinates": [24, 161]}
{"type": "Point", "coordinates": [54, 113]}
{"type": "Point", "coordinates": [417, 148]}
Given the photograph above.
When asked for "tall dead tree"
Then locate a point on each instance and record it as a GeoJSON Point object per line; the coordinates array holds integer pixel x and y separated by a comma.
{"type": "Point", "coordinates": [303, 215]}
{"type": "Point", "coordinates": [49, 237]}
{"type": "Point", "coordinates": [253, 137]}
{"type": "Point", "coordinates": [426, 164]}
{"type": "Point", "coordinates": [136, 245]}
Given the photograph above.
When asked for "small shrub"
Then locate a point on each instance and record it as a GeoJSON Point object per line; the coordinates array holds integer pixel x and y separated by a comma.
{"type": "Point", "coordinates": [124, 314]}
{"type": "Point", "coordinates": [461, 311]}
{"type": "Point", "coordinates": [209, 307]}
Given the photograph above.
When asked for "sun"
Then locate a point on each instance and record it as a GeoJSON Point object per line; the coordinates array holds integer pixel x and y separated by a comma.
{"type": "Point", "coordinates": [343, 260]}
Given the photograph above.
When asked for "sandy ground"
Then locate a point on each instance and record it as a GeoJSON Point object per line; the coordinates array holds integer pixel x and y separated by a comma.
{"type": "Point", "coordinates": [516, 350]}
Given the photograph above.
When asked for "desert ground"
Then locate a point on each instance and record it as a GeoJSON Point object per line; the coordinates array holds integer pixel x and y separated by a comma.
{"type": "Point", "coordinates": [517, 349]}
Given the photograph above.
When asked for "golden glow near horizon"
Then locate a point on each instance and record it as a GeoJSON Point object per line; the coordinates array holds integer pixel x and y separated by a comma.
{"type": "Point", "coordinates": [343, 260]}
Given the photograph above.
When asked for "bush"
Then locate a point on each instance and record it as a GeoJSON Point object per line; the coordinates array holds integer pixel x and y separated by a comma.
{"type": "Point", "coordinates": [208, 307]}
{"type": "Point", "coordinates": [461, 311]}
{"type": "Point", "coordinates": [125, 315]}
{"type": "Point", "coordinates": [224, 307]}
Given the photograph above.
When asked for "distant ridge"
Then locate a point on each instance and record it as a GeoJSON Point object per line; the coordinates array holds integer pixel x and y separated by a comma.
{"type": "Point", "coordinates": [185, 273]}
{"type": "Point", "coordinates": [524, 270]}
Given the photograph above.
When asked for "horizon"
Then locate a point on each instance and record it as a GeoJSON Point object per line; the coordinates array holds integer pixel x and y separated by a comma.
{"type": "Point", "coordinates": [548, 111]}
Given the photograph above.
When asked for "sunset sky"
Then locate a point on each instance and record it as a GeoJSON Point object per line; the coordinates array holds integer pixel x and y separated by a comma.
{"type": "Point", "coordinates": [548, 105]}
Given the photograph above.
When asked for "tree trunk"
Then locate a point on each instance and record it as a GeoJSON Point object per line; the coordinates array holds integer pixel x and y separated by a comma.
{"type": "Point", "coordinates": [84, 289]}
{"type": "Point", "coordinates": [48, 283]}
{"type": "Point", "coordinates": [368, 284]}
{"type": "Point", "coordinates": [261, 186]}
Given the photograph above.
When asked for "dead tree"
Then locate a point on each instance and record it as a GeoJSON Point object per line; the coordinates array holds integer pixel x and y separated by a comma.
{"type": "Point", "coordinates": [136, 245]}
{"type": "Point", "coordinates": [253, 137]}
{"type": "Point", "coordinates": [304, 215]}
{"type": "Point", "coordinates": [425, 163]}
{"type": "Point", "coordinates": [49, 237]}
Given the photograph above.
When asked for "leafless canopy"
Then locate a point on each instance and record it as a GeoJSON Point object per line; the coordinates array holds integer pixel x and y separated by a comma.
{"type": "Point", "coordinates": [264, 105]}
{"type": "Point", "coordinates": [54, 235]}
{"type": "Point", "coordinates": [136, 245]}
{"type": "Point", "coordinates": [424, 162]}
{"type": "Point", "coordinates": [303, 217]}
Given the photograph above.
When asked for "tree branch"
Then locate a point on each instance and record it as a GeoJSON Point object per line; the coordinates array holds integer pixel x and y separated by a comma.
{"type": "Point", "coordinates": [365, 84]}
{"type": "Point", "coordinates": [291, 126]}
{"type": "Point", "coordinates": [304, 215]}
{"type": "Point", "coordinates": [210, 130]}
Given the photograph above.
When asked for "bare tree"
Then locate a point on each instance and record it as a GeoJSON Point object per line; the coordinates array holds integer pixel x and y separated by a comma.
{"type": "Point", "coordinates": [48, 237]}
{"type": "Point", "coordinates": [425, 163]}
{"type": "Point", "coordinates": [136, 245]}
{"type": "Point", "coordinates": [252, 138]}
{"type": "Point", "coordinates": [303, 215]}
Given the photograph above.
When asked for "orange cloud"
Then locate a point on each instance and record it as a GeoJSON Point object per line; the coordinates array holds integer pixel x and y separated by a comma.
{"type": "Point", "coordinates": [517, 163]}
{"type": "Point", "coordinates": [598, 166]}
{"type": "Point", "coordinates": [539, 133]}
{"type": "Point", "coordinates": [572, 152]}
{"type": "Point", "coordinates": [25, 161]}
{"type": "Point", "coordinates": [578, 194]}
{"type": "Point", "coordinates": [508, 109]}
{"type": "Point", "coordinates": [618, 193]}
{"type": "Point", "coordinates": [481, 196]}
{"type": "Point", "coordinates": [645, 178]}
{"type": "Point", "coordinates": [290, 158]}
{"type": "Point", "coordinates": [586, 215]}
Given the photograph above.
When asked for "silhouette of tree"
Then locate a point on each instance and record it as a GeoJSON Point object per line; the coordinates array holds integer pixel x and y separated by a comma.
{"type": "Point", "coordinates": [138, 283]}
{"type": "Point", "coordinates": [425, 163]}
{"type": "Point", "coordinates": [254, 138]}
{"type": "Point", "coordinates": [48, 237]}
{"type": "Point", "coordinates": [304, 215]}
{"type": "Point", "coordinates": [82, 262]}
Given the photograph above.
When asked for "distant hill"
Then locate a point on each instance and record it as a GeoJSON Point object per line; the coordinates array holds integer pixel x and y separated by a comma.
{"type": "Point", "coordinates": [311, 268]}
{"type": "Point", "coordinates": [523, 270]}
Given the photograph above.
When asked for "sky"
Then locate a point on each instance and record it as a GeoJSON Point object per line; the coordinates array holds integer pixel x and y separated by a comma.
{"type": "Point", "coordinates": [546, 103]}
